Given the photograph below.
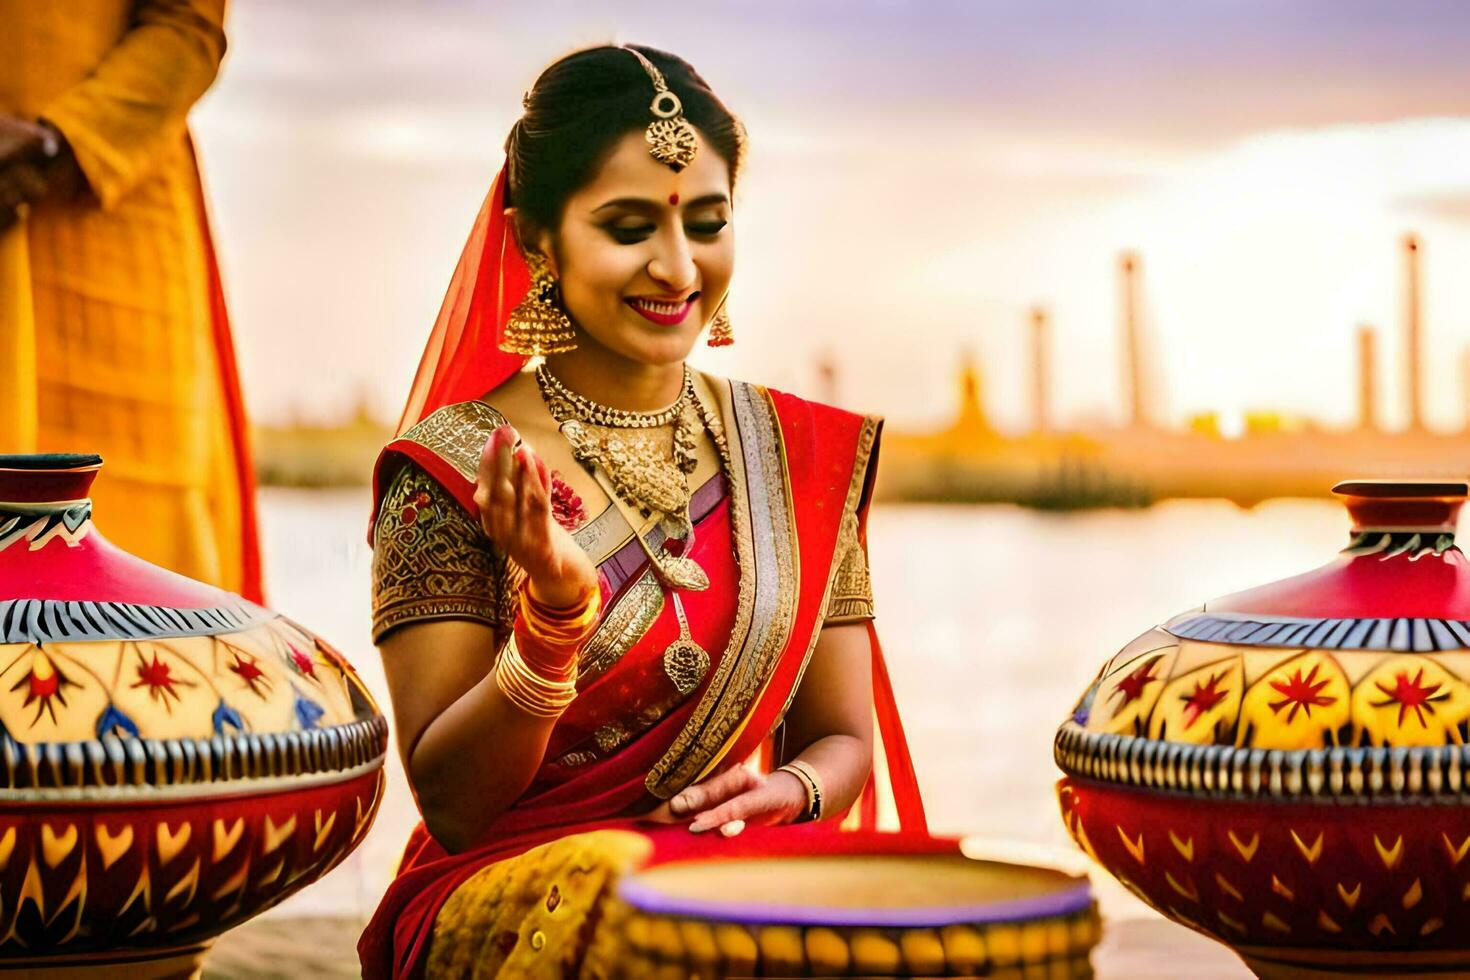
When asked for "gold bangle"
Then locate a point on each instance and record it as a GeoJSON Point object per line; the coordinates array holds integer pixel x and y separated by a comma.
{"type": "Point", "coordinates": [808, 776]}
{"type": "Point", "coordinates": [530, 691]}
{"type": "Point", "coordinates": [561, 626]}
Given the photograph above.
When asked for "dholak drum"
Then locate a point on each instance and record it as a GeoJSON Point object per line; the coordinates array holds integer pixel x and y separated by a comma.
{"type": "Point", "coordinates": [863, 914]}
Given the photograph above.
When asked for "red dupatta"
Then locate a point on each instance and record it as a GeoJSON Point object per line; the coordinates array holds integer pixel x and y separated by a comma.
{"type": "Point", "coordinates": [462, 359]}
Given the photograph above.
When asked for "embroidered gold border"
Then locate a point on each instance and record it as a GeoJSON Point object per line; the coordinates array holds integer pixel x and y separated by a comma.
{"type": "Point", "coordinates": [458, 432]}
{"type": "Point", "coordinates": [431, 607]}
{"type": "Point", "coordinates": [623, 626]}
{"type": "Point", "coordinates": [862, 456]}
{"type": "Point", "coordinates": [766, 605]}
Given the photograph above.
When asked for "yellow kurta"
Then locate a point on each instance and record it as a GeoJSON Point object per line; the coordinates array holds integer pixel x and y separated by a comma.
{"type": "Point", "coordinates": [107, 342]}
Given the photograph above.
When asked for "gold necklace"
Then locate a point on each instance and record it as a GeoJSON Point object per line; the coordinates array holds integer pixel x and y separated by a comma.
{"type": "Point", "coordinates": [580, 406]}
{"type": "Point", "coordinates": [685, 662]}
{"type": "Point", "coordinates": [648, 468]}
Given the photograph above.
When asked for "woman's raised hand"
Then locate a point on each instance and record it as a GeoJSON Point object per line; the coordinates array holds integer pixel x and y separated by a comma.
{"type": "Point", "coordinates": [735, 797]}
{"type": "Point", "coordinates": [513, 493]}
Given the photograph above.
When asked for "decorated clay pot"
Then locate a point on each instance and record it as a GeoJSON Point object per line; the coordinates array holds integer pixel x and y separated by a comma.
{"type": "Point", "coordinates": [173, 758]}
{"type": "Point", "coordinates": [1286, 769]}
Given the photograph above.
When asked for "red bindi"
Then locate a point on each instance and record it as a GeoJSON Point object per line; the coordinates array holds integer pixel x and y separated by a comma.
{"type": "Point", "coordinates": [673, 198]}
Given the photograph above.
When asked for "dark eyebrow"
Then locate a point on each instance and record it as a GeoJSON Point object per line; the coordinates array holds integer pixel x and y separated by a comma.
{"type": "Point", "coordinates": [647, 204]}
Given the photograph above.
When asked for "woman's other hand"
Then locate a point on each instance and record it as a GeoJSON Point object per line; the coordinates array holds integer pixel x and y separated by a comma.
{"type": "Point", "coordinates": [513, 494]}
{"type": "Point", "coordinates": [35, 164]}
{"type": "Point", "coordinates": [734, 798]}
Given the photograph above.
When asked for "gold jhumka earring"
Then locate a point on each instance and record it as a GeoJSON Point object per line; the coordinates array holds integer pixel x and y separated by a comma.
{"type": "Point", "coordinates": [538, 325]}
{"type": "Point", "coordinates": [720, 334]}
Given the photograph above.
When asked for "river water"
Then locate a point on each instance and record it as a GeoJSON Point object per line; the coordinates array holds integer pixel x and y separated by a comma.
{"type": "Point", "coordinates": [993, 620]}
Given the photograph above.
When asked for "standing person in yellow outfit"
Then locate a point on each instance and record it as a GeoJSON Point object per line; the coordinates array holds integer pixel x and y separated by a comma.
{"type": "Point", "coordinates": [113, 334]}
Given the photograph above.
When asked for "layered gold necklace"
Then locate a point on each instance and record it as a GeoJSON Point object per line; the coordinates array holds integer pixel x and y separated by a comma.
{"type": "Point", "coordinates": [647, 464]}
{"type": "Point", "coordinates": [644, 460]}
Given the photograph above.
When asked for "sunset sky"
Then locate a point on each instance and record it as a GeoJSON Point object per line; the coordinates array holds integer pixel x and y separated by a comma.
{"type": "Point", "coordinates": [921, 174]}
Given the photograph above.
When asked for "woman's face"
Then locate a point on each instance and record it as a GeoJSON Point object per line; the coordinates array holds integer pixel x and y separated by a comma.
{"type": "Point", "coordinates": [644, 255]}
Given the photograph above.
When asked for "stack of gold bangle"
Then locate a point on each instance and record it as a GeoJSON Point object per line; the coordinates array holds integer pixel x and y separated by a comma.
{"type": "Point", "coordinates": [808, 776]}
{"type": "Point", "coordinates": [561, 627]}
{"type": "Point", "coordinates": [547, 684]}
{"type": "Point", "coordinates": [533, 692]}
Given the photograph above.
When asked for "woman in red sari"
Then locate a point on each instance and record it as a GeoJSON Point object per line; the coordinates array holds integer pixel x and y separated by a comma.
{"type": "Point", "coordinates": [612, 592]}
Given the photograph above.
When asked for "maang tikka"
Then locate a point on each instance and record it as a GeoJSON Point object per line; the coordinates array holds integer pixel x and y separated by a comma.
{"type": "Point", "coordinates": [670, 136]}
{"type": "Point", "coordinates": [538, 325]}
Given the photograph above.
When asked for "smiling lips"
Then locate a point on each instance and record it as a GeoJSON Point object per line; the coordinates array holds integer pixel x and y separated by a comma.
{"type": "Point", "coordinates": [663, 312]}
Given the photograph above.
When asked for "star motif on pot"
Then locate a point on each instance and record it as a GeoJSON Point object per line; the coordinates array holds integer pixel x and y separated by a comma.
{"type": "Point", "coordinates": [45, 686]}
{"type": "Point", "coordinates": [1131, 687]}
{"type": "Point", "coordinates": [302, 660]}
{"type": "Point", "coordinates": [158, 678]}
{"type": "Point", "coordinates": [1411, 695]}
{"type": "Point", "coordinates": [1204, 697]}
{"type": "Point", "coordinates": [1301, 694]}
{"type": "Point", "coordinates": [245, 665]}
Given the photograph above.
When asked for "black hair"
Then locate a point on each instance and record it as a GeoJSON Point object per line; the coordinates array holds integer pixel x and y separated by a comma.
{"type": "Point", "coordinates": [583, 104]}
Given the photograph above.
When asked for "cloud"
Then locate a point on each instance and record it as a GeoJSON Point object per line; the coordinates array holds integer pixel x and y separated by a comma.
{"type": "Point", "coordinates": [1452, 205]}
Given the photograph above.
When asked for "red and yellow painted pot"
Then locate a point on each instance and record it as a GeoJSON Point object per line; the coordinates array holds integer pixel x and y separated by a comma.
{"type": "Point", "coordinates": [1286, 769]}
{"type": "Point", "coordinates": [173, 758]}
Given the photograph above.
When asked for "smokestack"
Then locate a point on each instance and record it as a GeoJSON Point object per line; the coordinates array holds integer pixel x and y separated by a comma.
{"type": "Point", "coordinates": [1040, 370]}
{"type": "Point", "coordinates": [1367, 378]}
{"type": "Point", "coordinates": [1132, 342]}
{"type": "Point", "coordinates": [1465, 384]}
{"type": "Point", "coordinates": [1413, 339]}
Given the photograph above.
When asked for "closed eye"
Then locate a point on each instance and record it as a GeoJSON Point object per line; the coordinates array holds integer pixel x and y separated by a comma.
{"type": "Point", "coordinates": [633, 234]}
{"type": "Point", "coordinates": [706, 229]}
{"type": "Point", "coordinates": [629, 235]}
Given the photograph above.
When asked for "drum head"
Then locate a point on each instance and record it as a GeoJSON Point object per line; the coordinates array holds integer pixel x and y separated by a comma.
{"type": "Point", "coordinates": [855, 890]}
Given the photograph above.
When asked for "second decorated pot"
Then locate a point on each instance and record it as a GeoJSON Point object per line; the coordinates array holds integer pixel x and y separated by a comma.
{"type": "Point", "coordinates": [1286, 769]}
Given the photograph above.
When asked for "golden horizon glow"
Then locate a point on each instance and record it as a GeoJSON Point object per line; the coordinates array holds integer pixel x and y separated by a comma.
{"type": "Point", "coordinates": [886, 235]}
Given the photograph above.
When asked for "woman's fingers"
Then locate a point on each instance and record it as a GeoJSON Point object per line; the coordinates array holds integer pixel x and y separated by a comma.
{"type": "Point", "coordinates": [513, 493]}
{"type": "Point", "coordinates": [772, 799]}
{"type": "Point", "coordinates": [538, 489]}
{"type": "Point", "coordinates": [485, 477]}
{"type": "Point", "coordinates": [747, 806]}
{"type": "Point", "coordinates": [525, 488]}
{"type": "Point", "coordinates": [712, 792]}
{"type": "Point", "coordinates": [495, 489]}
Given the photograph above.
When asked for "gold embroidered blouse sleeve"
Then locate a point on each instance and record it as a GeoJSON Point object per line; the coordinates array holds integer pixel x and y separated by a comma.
{"type": "Point", "coordinates": [852, 587]}
{"type": "Point", "coordinates": [431, 560]}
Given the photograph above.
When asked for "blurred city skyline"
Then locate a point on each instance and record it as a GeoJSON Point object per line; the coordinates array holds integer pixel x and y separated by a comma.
{"type": "Point", "coordinates": [920, 177]}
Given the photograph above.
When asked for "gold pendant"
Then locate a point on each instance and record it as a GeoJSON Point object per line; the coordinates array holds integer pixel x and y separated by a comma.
{"type": "Point", "coordinates": [675, 571]}
{"type": "Point", "coordinates": [685, 661]}
{"type": "Point", "coordinates": [682, 573]}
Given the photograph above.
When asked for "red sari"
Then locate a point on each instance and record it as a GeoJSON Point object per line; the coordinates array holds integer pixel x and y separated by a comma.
{"type": "Point", "coordinates": [770, 542]}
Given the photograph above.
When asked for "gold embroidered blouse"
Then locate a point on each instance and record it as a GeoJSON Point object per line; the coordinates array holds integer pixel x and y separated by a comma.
{"type": "Point", "coordinates": [852, 587]}
{"type": "Point", "coordinates": [431, 560]}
